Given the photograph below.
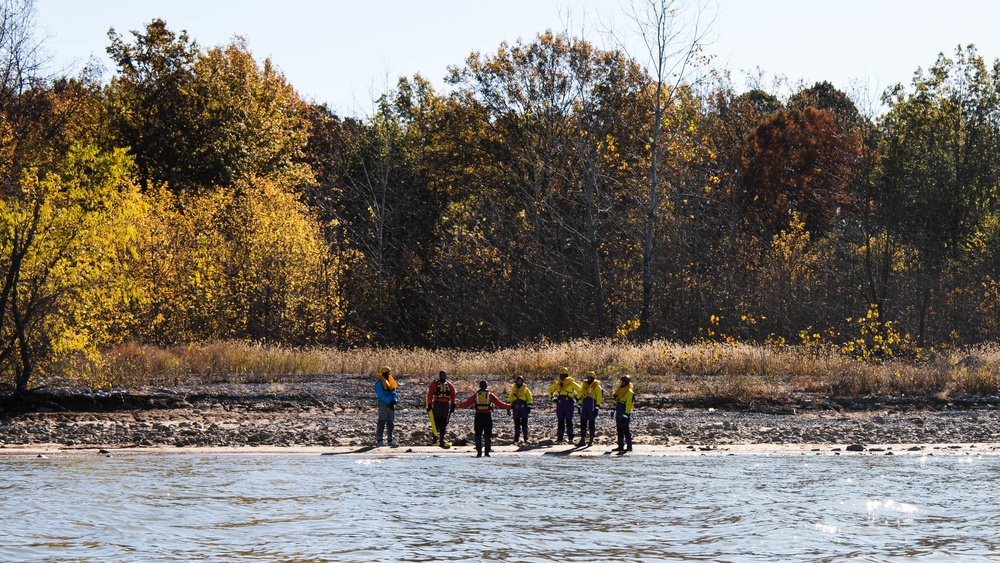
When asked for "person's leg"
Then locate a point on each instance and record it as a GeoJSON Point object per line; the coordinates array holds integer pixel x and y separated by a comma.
{"type": "Point", "coordinates": [628, 434]}
{"type": "Point", "coordinates": [390, 424]}
{"type": "Point", "coordinates": [380, 427]}
{"type": "Point", "coordinates": [477, 425]}
{"type": "Point", "coordinates": [620, 429]}
{"type": "Point", "coordinates": [516, 412]}
{"type": "Point", "coordinates": [564, 411]}
{"type": "Point", "coordinates": [585, 413]}
{"type": "Point", "coordinates": [440, 411]}
{"type": "Point", "coordinates": [488, 433]}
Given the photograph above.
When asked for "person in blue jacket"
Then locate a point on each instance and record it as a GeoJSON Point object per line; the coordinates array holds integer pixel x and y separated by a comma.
{"type": "Point", "coordinates": [385, 391]}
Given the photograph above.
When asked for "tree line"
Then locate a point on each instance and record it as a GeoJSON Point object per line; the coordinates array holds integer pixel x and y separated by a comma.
{"type": "Point", "coordinates": [554, 190]}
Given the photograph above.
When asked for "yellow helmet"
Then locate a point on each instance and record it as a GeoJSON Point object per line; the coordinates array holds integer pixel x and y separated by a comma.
{"type": "Point", "coordinates": [383, 370]}
{"type": "Point", "coordinates": [591, 375]}
{"type": "Point", "coordinates": [563, 371]}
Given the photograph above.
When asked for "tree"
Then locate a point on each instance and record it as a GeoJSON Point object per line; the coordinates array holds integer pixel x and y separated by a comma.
{"type": "Point", "coordinates": [195, 119]}
{"type": "Point", "coordinates": [941, 164]}
{"type": "Point", "coordinates": [56, 237]}
{"type": "Point", "coordinates": [801, 162]}
{"type": "Point", "coordinates": [671, 32]}
{"type": "Point", "coordinates": [249, 122]}
{"type": "Point", "coordinates": [149, 108]}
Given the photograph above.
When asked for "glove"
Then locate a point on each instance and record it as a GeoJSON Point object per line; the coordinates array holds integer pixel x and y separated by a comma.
{"type": "Point", "coordinates": [429, 408]}
{"type": "Point", "coordinates": [451, 408]}
{"type": "Point", "coordinates": [555, 399]}
{"type": "Point", "coordinates": [392, 404]}
{"type": "Point", "coordinates": [597, 411]}
{"type": "Point", "coordinates": [530, 407]}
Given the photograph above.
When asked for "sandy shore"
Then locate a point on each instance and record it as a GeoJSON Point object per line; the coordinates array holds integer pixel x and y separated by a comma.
{"type": "Point", "coordinates": [60, 451]}
{"type": "Point", "coordinates": [337, 416]}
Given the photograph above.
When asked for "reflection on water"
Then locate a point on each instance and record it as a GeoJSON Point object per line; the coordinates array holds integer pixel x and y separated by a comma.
{"type": "Point", "coordinates": [343, 508]}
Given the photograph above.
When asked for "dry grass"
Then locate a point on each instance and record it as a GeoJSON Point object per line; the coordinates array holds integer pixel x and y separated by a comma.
{"type": "Point", "coordinates": [731, 372]}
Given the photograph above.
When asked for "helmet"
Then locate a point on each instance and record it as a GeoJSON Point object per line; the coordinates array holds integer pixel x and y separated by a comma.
{"type": "Point", "coordinates": [591, 375]}
{"type": "Point", "coordinates": [563, 371]}
{"type": "Point", "coordinates": [626, 379]}
{"type": "Point", "coordinates": [383, 370]}
{"type": "Point", "coordinates": [519, 378]}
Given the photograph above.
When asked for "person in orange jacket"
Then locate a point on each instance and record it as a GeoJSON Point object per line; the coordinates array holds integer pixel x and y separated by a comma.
{"type": "Point", "coordinates": [484, 402]}
{"type": "Point", "coordinates": [441, 403]}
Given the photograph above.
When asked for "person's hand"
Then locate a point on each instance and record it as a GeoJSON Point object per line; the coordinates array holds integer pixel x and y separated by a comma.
{"type": "Point", "coordinates": [451, 408]}
{"type": "Point", "coordinates": [531, 407]}
{"type": "Point", "coordinates": [597, 411]}
{"type": "Point", "coordinates": [429, 408]}
{"type": "Point", "coordinates": [392, 404]}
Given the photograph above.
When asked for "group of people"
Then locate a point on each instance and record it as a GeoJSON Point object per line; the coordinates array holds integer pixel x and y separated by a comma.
{"type": "Point", "coordinates": [569, 397]}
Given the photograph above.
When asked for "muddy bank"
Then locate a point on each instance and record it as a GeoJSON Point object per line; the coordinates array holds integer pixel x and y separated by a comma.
{"type": "Point", "coordinates": [339, 412]}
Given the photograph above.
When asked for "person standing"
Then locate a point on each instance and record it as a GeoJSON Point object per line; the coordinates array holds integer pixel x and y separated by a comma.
{"type": "Point", "coordinates": [440, 404]}
{"type": "Point", "coordinates": [484, 402]}
{"type": "Point", "coordinates": [591, 395]}
{"type": "Point", "coordinates": [564, 393]}
{"type": "Point", "coordinates": [521, 404]}
{"type": "Point", "coordinates": [624, 396]}
{"type": "Point", "coordinates": [385, 391]}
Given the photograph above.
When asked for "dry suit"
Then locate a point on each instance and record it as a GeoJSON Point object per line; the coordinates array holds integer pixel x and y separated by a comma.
{"type": "Point", "coordinates": [520, 401]}
{"type": "Point", "coordinates": [484, 402]}
{"type": "Point", "coordinates": [564, 393]}
{"type": "Point", "coordinates": [591, 395]}
{"type": "Point", "coordinates": [623, 413]}
{"type": "Point", "coordinates": [441, 403]}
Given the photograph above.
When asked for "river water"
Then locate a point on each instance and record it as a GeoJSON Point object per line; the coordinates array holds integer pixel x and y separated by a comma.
{"type": "Point", "coordinates": [506, 508]}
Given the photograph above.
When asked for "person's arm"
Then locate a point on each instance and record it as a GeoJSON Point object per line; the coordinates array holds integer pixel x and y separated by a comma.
{"type": "Point", "coordinates": [451, 392]}
{"type": "Point", "coordinates": [467, 403]}
{"type": "Point", "coordinates": [380, 392]}
{"type": "Point", "coordinates": [511, 397]}
{"type": "Point", "coordinates": [527, 393]}
{"type": "Point", "coordinates": [498, 403]}
{"type": "Point", "coordinates": [628, 402]}
{"type": "Point", "coordinates": [430, 394]}
{"type": "Point", "coordinates": [598, 395]}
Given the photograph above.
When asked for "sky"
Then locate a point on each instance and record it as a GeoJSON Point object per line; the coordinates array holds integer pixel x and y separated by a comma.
{"type": "Point", "coordinates": [344, 53]}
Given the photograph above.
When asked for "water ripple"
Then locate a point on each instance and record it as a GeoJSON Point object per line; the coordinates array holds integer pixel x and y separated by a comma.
{"type": "Point", "coordinates": [531, 509]}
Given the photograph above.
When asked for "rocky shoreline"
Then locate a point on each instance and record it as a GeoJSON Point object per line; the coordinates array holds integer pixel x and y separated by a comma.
{"type": "Point", "coordinates": [339, 412]}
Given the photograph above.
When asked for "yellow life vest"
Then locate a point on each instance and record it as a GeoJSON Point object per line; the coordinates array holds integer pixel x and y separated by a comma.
{"type": "Point", "coordinates": [483, 401]}
{"type": "Point", "coordinates": [442, 391]}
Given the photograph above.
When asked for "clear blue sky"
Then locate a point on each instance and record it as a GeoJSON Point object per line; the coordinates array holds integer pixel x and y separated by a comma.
{"type": "Point", "coordinates": [341, 51]}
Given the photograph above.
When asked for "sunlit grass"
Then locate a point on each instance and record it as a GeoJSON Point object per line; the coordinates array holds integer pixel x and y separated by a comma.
{"type": "Point", "coordinates": [728, 372]}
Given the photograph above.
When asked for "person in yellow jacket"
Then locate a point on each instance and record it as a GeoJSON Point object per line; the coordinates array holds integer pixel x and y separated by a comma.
{"type": "Point", "coordinates": [591, 395]}
{"type": "Point", "coordinates": [564, 393]}
{"type": "Point", "coordinates": [624, 395]}
{"type": "Point", "coordinates": [520, 401]}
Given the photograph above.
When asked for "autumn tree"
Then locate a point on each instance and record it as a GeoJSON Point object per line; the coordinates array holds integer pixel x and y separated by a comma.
{"type": "Point", "coordinates": [799, 162]}
{"type": "Point", "coordinates": [940, 170]}
{"type": "Point", "coordinates": [195, 118]}
{"type": "Point", "coordinates": [670, 32]}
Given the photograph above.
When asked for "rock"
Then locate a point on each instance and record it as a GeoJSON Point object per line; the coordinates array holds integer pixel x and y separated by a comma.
{"type": "Point", "coordinates": [855, 448]}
